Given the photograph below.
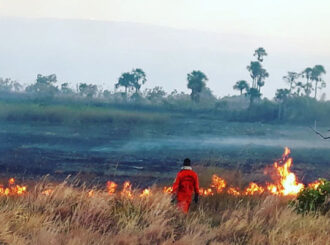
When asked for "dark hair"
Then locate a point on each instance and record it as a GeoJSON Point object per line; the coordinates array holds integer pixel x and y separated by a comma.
{"type": "Point", "coordinates": [186, 162]}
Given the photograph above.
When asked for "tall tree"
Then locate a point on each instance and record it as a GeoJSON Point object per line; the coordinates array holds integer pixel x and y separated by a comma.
{"type": "Point", "coordinates": [45, 85]}
{"type": "Point", "coordinates": [253, 94]}
{"type": "Point", "coordinates": [196, 82]}
{"type": "Point", "coordinates": [281, 96]}
{"type": "Point", "coordinates": [290, 78]}
{"type": "Point", "coordinates": [254, 68]}
{"type": "Point", "coordinates": [307, 73]}
{"type": "Point", "coordinates": [241, 85]}
{"type": "Point", "coordinates": [316, 76]}
{"type": "Point", "coordinates": [260, 53]}
{"type": "Point", "coordinates": [126, 80]}
{"type": "Point", "coordinates": [139, 79]}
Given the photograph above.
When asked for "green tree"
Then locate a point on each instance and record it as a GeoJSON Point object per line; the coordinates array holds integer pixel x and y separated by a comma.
{"type": "Point", "coordinates": [290, 78]}
{"type": "Point", "coordinates": [196, 82]}
{"type": "Point", "coordinates": [8, 85]}
{"type": "Point", "coordinates": [254, 69]}
{"type": "Point", "coordinates": [281, 96]}
{"type": "Point", "coordinates": [88, 90]}
{"type": "Point", "coordinates": [45, 85]}
{"type": "Point", "coordinates": [316, 76]}
{"type": "Point", "coordinates": [126, 80]}
{"type": "Point", "coordinates": [155, 94]}
{"type": "Point", "coordinates": [253, 94]}
{"type": "Point", "coordinates": [260, 53]}
{"type": "Point", "coordinates": [65, 89]}
{"type": "Point", "coordinates": [241, 85]}
{"type": "Point", "coordinates": [139, 79]}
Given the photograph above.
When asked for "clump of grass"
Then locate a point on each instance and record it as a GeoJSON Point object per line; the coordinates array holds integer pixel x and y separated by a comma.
{"type": "Point", "coordinates": [70, 216]}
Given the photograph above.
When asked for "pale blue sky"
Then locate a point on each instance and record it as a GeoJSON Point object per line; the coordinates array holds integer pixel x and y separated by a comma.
{"type": "Point", "coordinates": [295, 33]}
{"type": "Point", "coordinates": [280, 18]}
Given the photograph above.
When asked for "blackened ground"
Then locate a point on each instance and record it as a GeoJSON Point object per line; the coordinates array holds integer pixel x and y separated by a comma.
{"type": "Point", "coordinates": [151, 154]}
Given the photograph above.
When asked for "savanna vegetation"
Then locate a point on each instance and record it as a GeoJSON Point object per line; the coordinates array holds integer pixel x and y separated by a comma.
{"type": "Point", "coordinates": [48, 100]}
{"type": "Point", "coordinates": [72, 215]}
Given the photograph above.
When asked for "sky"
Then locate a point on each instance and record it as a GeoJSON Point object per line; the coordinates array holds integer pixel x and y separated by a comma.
{"type": "Point", "coordinates": [281, 18]}
{"type": "Point", "coordinates": [302, 24]}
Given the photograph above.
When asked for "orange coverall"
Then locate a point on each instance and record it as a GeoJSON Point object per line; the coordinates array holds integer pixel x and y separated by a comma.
{"type": "Point", "coordinates": [185, 184]}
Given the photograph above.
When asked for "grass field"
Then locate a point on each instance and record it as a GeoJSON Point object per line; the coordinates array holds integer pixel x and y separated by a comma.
{"type": "Point", "coordinates": [70, 216]}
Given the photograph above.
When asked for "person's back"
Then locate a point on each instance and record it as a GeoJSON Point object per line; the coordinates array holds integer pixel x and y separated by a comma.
{"type": "Point", "coordinates": [184, 185]}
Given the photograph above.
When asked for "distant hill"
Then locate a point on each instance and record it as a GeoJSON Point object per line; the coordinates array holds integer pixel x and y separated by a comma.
{"type": "Point", "coordinates": [96, 51]}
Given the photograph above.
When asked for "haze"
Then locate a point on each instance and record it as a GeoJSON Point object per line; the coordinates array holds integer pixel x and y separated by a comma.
{"type": "Point", "coordinates": [171, 39]}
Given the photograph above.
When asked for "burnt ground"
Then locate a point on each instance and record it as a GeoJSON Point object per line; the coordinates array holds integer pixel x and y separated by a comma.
{"type": "Point", "coordinates": [151, 154]}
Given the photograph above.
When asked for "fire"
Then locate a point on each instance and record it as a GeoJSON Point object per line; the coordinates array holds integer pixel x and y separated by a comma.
{"type": "Point", "coordinates": [253, 188]}
{"type": "Point", "coordinates": [218, 183]}
{"type": "Point", "coordinates": [233, 191]}
{"type": "Point", "coordinates": [168, 189]}
{"type": "Point", "coordinates": [111, 187]}
{"type": "Point", "coordinates": [206, 192]}
{"type": "Point", "coordinates": [47, 192]}
{"type": "Point", "coordinates": [127, 189]}
{"type": "Point", "coordinates": [12, 189]}
{"type": "Point", "coordinates": [286, 184]}
{"type": "Point", "coordinates": [316, 184]}
{"type": "Point", "coordinates": [145, 193]}
{"type": "Point", "coordinates": [91, 193]}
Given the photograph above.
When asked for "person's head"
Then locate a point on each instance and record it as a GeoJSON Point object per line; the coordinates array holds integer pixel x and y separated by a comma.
{"type": "Point", "coordinates": [187, 162]}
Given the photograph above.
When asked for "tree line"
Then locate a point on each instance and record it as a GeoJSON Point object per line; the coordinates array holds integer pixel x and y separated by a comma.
{"type": "Point", "coordinates": [302, 83]}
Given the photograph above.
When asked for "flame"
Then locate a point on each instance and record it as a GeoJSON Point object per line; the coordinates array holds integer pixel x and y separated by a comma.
{"type": "Point", "coordinates": [145, 193]}
{"type": "Point", "coordinates": [91, 193]}
{"type": "Point", "coordinates": [316, 184]}
{"type": "Point", "coordinates": [12, 189]}
{"type": "Point", "coordinates": [233, 191]}
{"type": "Point", "coordinates": [253, 188]}
{"type": "Point", "coordinates": [206, 192]}
{"type": "Point", "coordinates": [47, 192]}
{"type": "Point", "coordinates": [111, 187]}
{"type": "Point", "coordinates": [168, 189]}
{"type": "Point", "coordinates": [127, 190]}
{"type": "Point", "coordinates": [286, 182]}
{"type": "Point", "coordinates": [218, 183]}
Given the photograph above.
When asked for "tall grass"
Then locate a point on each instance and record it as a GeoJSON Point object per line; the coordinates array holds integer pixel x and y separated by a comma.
{"type": "Point", "coordinates": [70, 216]}
{"type": "Point", "coordinates": [74, 114]}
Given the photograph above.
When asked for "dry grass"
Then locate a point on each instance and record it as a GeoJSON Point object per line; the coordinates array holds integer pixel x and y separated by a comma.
{"type": "Point", "coordinates": [70, 216]}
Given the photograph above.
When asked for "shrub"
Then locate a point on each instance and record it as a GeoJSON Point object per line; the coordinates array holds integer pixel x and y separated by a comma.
{"type": "Point", "coordinates": [313, 199]}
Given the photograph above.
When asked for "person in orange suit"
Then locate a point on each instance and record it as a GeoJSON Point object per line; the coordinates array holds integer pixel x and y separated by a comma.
{"type": "Point", "coordinates": [185, 184]}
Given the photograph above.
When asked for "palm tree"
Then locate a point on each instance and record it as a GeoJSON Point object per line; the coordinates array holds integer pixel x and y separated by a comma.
{"type": "Point", "coordinates": [254, 68]}
{"type": "Point", "coordinates": [290, 78]}
{"type": "Point", "coordinates": [241, 85]}
{"type": "Point", "coordinates": [260, 53]}
{"type": "Point", "coordinates": [196, 82]}
{"type": "Point", "coordinates": [126, 80]}
{"type": "Point", "coordinates": [316, 76]}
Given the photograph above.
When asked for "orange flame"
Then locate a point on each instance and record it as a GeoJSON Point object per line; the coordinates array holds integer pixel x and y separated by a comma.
{"type": "Point", "coordinates": [233, 191]}
{"type": "Point", "coordinates": [206, 192]}
{"type": "Point", "coordinates": [127, 189]}
{"type": "Point", "coordinates": [145, 193]}
{"type": "Point", "coordinates": [47, 192]}
{"type": "Point", "coordinates": [218, 183]}
{"type": "Point", "coordinates": [168, 189]}
{"type": "Point", "coordinates": [253, 188]}
{"type": "Point", "coordinates": [12, 189]}
{"type": "Point", "coordinates": [286, 184]}
{"type": "Point", "coordinates": [111, 187]}
{"type": "Point", "coordinates": [316, 184]}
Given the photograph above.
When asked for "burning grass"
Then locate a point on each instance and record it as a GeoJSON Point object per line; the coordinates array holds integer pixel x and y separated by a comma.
{"type": "Point", "coordinates": [226, 214]}
{"type": "Point", "coordinates": [68, 215]}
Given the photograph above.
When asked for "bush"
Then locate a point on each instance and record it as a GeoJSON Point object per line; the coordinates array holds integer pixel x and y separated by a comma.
{"type": "Point", "coordinates": [313, 199]}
